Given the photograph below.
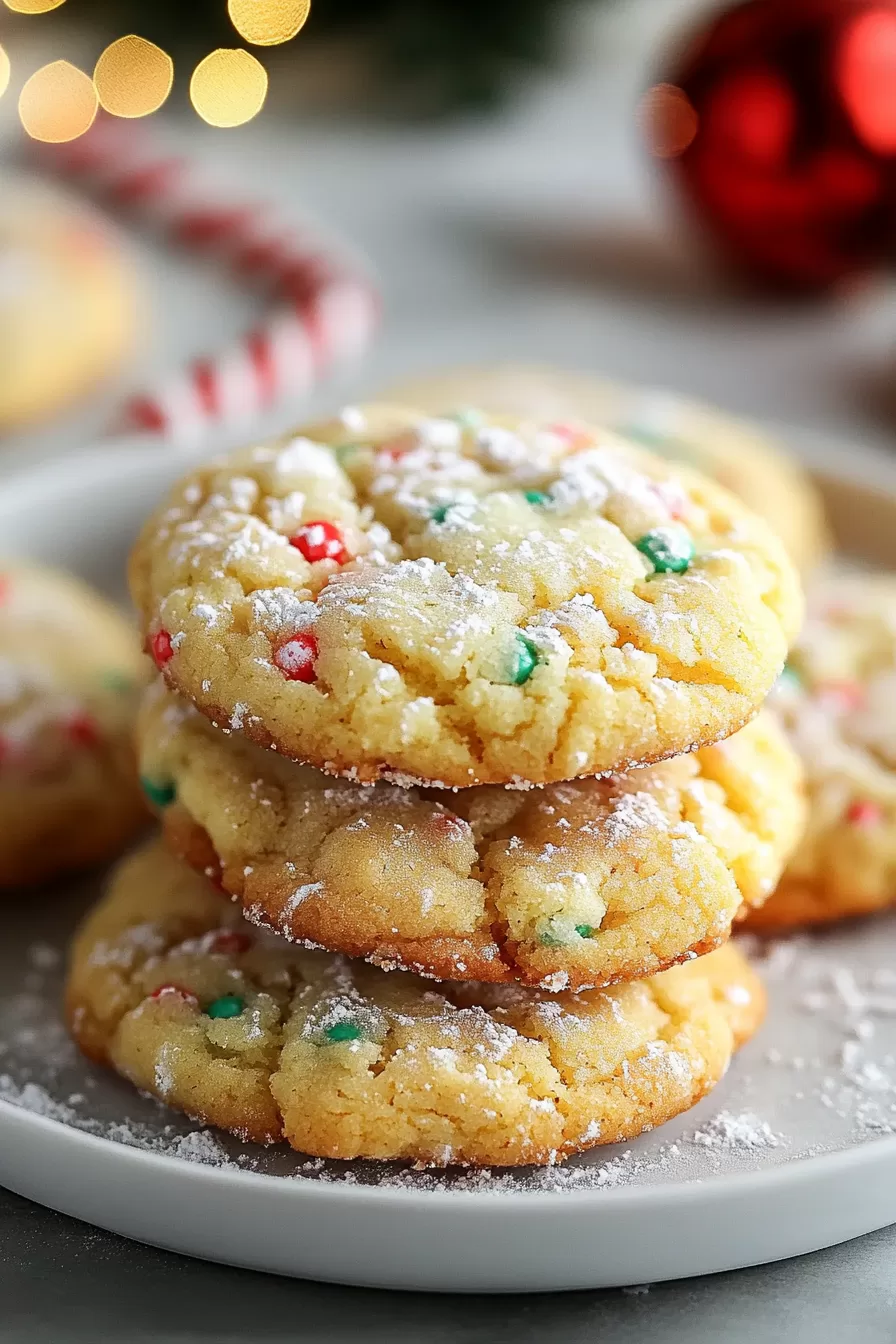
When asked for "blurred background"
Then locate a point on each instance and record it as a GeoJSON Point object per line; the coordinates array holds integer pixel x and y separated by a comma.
{"type": "Point", "coordinates": [694, 196]}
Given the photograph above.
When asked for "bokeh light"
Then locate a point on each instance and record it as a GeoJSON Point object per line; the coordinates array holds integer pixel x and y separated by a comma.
{"type": "Point", "coordinates": [265, 23]}
{"type": "Point", "coordinates": [667, 120]}
{"type": "Point", "coordinates": [4, 72]}
{"type": "Point", "coordinates": [228, 87]}
{"type": "Point", "coordinates": [864, 73]}
{"type": "Point", "coordinates": [33, 6]}
{"type": "Point", "coordinates": [58, 103]}
{"type": "Point", "coordinates": [133, 77]}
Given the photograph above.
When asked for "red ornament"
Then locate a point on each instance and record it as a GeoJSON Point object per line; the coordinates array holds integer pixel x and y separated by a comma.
{"type": "Point", "coordinates": [161, 648]}
{"type": "Point", "coordinates": [295, 658]}
{"type": "Point", "coordinates": [780, 117]}
{"type": "Point", "coordinates": [320, 541]}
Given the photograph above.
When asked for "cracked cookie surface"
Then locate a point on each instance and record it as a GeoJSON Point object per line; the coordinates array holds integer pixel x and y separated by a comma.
{"type": "Point", "coordinates": [739, 455]}
{"type": "Point", "coordinates": [463, 601]}
{"type": "Point", "coordinates": [573, 885]}
{"type": "Point", "coordinates": [71, 671]}
{"type": "Point", "coordinates": [241, 1030]}
{"type": "Point", "coordinates": [837, 701]}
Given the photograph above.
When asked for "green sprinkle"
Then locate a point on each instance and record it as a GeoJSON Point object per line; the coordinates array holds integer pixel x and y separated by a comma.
{"type": "Point", "coordinates": [440, 512]}
{"type": "Point", "coordinates": [161, 793]}
{"type": "Point", "coordinates": [343, 1031]}
{"type": "Point", "coordinates": [537, 497]}
{"type": "Point", "coordinates": [790, 677]}
{"type": "Point", "coordinates": [524, 660]}
{"type": "Point", "coordinates": [114, 680]}
{"type": "Point", "coordinates": [468, 418]}
{"type": "Point", "coordinates": [559, 931]}
{"type": "Point", "coordinates": [229, 1005]}
{"type": "Point", "coordinates": [650, 438]}
{"type": "Point", "coordinates": [346, 450]}
{"type": "Point", "coordinates": [669, 549]}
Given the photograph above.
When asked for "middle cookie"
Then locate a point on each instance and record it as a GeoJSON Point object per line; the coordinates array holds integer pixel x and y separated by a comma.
{"type": "Point", "coordinates": [574, 885]}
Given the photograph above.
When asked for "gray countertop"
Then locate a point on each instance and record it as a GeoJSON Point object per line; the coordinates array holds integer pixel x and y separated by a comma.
{"type": "Point", "coordinates": [449, 218]}
{"type": "Point", "coordinates": [64, 1283]}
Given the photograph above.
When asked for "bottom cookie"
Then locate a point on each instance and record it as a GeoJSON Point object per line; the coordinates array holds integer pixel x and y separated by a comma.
{"type": "Point", "coordinates": [242, 1030]}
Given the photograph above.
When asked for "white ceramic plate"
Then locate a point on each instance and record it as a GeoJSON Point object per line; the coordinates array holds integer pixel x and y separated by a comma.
{"type": "Point", "coordinates": [795, 1150]}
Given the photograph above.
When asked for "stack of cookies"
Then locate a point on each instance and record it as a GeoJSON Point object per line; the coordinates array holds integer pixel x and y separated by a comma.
{"type": "Point", "coordinates": [464, 777]}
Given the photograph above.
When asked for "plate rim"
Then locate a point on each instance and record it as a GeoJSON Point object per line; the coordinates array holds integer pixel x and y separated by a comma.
{"type": "Point", "coordinates": [791, 1172]}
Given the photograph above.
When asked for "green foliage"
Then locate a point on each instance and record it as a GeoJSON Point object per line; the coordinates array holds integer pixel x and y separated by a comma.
{"type": "Point", "coordinates": [433, 56]}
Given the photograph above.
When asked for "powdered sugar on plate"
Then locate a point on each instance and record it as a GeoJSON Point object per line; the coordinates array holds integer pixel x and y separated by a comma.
{"type": "Point", "coordinates": [820, 1076]}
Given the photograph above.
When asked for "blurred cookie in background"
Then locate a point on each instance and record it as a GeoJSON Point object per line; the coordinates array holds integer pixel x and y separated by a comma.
{"type": "Point", "coordinates": [837, 701]}
{"type": "Point", "coordinates": [737, 454]}
{"type": "Point", "coordinates": [71, 671]}
{"type": "Point", "coordinates": [68, 302]}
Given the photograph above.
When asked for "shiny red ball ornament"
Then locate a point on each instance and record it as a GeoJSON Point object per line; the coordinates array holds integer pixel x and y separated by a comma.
{"type": "Point", "coordinates": [780, 119]}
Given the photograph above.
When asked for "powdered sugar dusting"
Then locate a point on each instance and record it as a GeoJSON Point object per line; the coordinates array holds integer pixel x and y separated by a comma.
{"type": "Point", "coordinates": [820, 1077]}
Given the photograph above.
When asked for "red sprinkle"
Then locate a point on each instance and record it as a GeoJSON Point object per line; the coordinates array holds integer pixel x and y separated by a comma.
{"type": "Point", "coordinates": [5, 586]}
{"type": "Point", "coordinates": [672, 497]}
{"type": "Point", "coordinates": [320, 541]}
{"type": "Point", "coordinates": [161, 648]}
{"type": "Point", "coordinates": [844, 695]}
{"type": "Point", "coordinates": [450, 826]}
{"type": "Point", "coordinates": [231, 941]}
{"type": "Point", "coordinates": [564, 430]}
{"type": "Point", "coordinates": [164, 990]}
{"type": "Point", "coordinates": [864, 814]}
{"type": "Point", "coordinates": [399, 447]}
{"type": "Point", "coordinates": [82, 730]}
{"type": "Point", "coordinates": [574, 436]}
{"type": "Point", "coordinates": [296, 657]}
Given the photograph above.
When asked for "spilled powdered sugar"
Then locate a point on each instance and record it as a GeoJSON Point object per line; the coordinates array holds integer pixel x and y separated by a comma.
{"type": "Point", "coordinates": [821, 1076]}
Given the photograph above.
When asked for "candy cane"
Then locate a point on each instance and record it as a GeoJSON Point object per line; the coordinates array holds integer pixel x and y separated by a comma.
{"type": "Point", "coordinates": [321, 310]}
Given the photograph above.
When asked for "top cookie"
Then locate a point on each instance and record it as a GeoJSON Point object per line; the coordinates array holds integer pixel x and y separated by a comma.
{"type": "Point", "coordinates": [463, 601]}
{"type": "Point", "coordinates": [738, 455]}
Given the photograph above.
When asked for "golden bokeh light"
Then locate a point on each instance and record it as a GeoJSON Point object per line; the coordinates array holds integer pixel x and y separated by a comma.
{"type": "Point", "coordinates": [133, 77]}
{"type": "Point", "coordinates": [667, 120]}
{"type": "Point", "coordinates": [4, 72]}
{"type": "Point", "coordinates": [58, 103]}
{"type": "Point", "coordinates": [33, 6]}
{"type": "Point", "coordinates": [266, 23]}
{"type": "Point", "coordinates": [228, 87]}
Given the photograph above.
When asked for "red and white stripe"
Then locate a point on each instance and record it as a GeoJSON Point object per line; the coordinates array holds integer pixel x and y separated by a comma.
{"type": "Point", "coordinates": [321, 309]}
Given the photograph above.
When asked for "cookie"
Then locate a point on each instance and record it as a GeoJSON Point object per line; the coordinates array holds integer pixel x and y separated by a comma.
{"type": "Point", "coordinates": [457, 602]}
{"type": "Point", "coordinates": [244, 1031]}
{"type": "Point", "coordinates": [837, 701]}
{"type": "Point", "coordinates": [570, 886]}
{"type": "Point", "coordinates": [737, 454]}
{"type": "Point", "coordinates": [68, 305]}
{"type": "Point", "coordinates": [71, 672]}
